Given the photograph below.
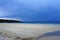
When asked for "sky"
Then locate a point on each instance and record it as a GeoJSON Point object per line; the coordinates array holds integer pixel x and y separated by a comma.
{"type": "Point", "coordinates": [31, 10]}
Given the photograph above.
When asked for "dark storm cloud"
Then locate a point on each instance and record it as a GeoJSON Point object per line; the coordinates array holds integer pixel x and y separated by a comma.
{"type": "Point", "coordinates": [31, 10]}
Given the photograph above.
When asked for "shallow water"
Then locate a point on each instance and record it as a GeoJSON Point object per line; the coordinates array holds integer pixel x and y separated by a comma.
{"type": "Point", "coordinates": [50, 38]}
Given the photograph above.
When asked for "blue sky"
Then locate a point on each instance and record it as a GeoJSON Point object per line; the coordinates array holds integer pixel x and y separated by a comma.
{"type": "Point", "coordinates": [31, 10]}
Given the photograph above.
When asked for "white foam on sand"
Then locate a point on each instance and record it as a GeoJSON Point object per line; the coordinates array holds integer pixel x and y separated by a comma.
{"type": "Point", "coordinates": [28, 30]}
